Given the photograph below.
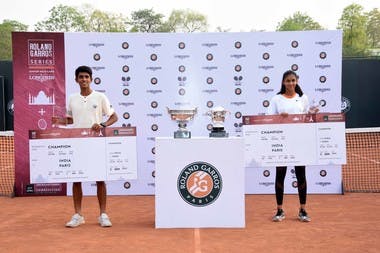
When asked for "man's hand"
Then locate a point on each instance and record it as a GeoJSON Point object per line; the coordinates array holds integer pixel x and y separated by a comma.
{"type": "Point", "coordinates": [58, 121]}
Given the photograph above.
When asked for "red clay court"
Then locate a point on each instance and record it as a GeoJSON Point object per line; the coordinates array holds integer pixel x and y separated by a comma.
{"type": "Point", "coordinates": [340, 223]}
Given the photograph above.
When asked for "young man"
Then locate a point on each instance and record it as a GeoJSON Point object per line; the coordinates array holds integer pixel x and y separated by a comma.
{"type": "Point", "coordinates": [86, 110]}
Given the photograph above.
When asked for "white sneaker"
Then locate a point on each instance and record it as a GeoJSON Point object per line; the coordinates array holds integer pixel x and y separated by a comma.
{"type": "Point", "coordinates": [75, 221]}
{"type": "Point", "coordinates": [104, 220]}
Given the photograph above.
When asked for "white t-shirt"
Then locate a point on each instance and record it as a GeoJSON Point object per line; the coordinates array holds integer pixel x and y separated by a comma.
{"type": "Point", "coordinates": [295, 105]}
{"type": "Point", "coordinates": [88, 110]}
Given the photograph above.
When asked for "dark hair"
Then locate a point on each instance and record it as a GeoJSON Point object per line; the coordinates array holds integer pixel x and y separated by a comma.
{"type": "Point", "coordinates": [297, 88]}
{"type": "Point", "coordinates": [85, 69]}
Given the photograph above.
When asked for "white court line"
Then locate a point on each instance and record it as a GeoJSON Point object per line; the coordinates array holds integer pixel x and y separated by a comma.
{"type": "Point", "coordinates": [197, 241]}
{"type": "Point", "coordinates": [366, 158]}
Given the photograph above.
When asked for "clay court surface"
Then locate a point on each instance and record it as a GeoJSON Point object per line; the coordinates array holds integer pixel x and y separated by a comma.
{"type": "Point", "coordinates": [340, 223]}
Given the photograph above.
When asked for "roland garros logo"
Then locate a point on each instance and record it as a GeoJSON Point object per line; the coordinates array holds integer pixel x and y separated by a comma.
{"type": "Point", "coordinates": [199, 184]}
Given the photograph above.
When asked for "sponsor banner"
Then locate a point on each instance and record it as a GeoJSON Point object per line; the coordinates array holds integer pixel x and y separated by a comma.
{"type": "Point", "coordinates": [238, 71]}
{"type": "Point", "coordinates": [38, 86]}
{"type": "Point", "coordinates": [301, 139]}
{"type": "Point", "coordinates": [320, 179]}
{"type": "Point", "coordinates": [79, 155]}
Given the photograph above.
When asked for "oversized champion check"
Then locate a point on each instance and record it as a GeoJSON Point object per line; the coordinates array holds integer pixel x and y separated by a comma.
{"type": "Point", "coordinates": [298, 139]}
{"type": "Point", "coordinates": [80, 154]}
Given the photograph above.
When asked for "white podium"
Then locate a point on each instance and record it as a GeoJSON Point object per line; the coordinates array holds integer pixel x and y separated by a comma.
{"type": "Point", "coordinates": [200, 182]}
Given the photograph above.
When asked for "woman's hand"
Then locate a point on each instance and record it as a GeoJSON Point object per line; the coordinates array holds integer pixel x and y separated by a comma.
{"type": "Point", "coordinates": [313, 109]}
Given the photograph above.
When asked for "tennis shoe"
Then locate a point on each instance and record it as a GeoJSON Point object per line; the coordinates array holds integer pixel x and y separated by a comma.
{"type": "Point", "coordinates": [75, 221]}
{"type": "Point", "coordinates": [280, 215]}
{"type": "Point", "coordinates": [303, 216]}
{"type": "Point", "coordinates": [104, 220]}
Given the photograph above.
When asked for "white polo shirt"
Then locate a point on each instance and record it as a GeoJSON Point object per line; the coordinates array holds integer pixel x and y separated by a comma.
{"type": "Point", "coordinates": [295, 105]}
{"type": "Point", "coordinates": [88, 110]}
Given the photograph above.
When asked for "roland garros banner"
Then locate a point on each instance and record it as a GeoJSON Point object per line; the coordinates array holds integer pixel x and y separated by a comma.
{"type": "Point", "coordinates": [39, 84]}
{"type": "Point", "coordinates": [144, 74]}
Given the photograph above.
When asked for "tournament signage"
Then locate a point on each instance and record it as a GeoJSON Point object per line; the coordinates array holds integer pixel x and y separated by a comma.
{"type": "Point", "coordinates": [80, 154]}
{"type": "Point", "coordinates": [298, 139]}
{"type": "Point", "coordinates": [199, 184]}
{"type": "Point", "coordinates": [239, 72]}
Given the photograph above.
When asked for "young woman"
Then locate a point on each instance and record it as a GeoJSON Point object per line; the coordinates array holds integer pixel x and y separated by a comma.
{"type": "Point", "coordinates": [290, 100]}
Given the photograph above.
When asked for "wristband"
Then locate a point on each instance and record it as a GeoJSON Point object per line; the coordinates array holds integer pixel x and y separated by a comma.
{"type": "Point", "coordinates": [103, 124]}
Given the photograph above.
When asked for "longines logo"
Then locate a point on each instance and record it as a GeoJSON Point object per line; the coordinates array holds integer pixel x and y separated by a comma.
{"type": "Point", "coordinates": [209, 68]}
{"type": "Point", "coordinates": [265, 90]}
{"type": "Point", "coordinates": [209, 44]}
{"type": "Point", "coordinates": [125, 56]}
{"type": "Point", "coordinates": [181, 56]}
{"type": "Point", "coordinates": [322, 89]}
{"type": "Point", "coordinates": [182, 103]}
{"type": "Point", "coordinates": [323, 183]}
{"type": "Point", "coordinates": [153, 68]}
{"type": "Point", "coordinates": [266, 44]}
{"type": "Point", "coordinates": [322, 66]}
{"type": "Point", "coordinates": [210, 91]}
{"type": "Point", "coordinates": [266, 183]}
{"type": "Point", "coordinates": [323, 43]}
{"type": "Point", "coordinates": [154, 115]}
{"type": "Point", "coordinates": [153, 91]}
{"type": "Point", "coordinates": [153, 45]}
{"type": "Point", "coordinates": [266, 67]}
{"type": "Point", "coordinates": [294, 55]}
{"type": "Point", "coordinates": [96, 45]}
{"type": "Point", "coordinates": [238, 103]}
{"type": "Point", "coordinates": [96, 68]}
{"type": "Point", "coordinates": [237, 56]}
{"type": "Point", "coordinates": [199, 184]}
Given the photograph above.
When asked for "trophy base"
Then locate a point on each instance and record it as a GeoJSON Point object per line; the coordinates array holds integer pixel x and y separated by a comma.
{"type": "Point", "coordinates": [218, 133]}
{"type": "Point", "coordinates": [182, 134]}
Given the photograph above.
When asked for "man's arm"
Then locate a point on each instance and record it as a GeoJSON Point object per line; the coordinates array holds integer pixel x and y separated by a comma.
{"type": "Point", "coordinates": [63, 121]}
{"type": "Point", "coordinates": [112, 119]}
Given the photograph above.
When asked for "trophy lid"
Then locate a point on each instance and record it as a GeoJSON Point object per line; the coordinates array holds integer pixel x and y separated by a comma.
{"type": "Point", "coordinates": [218, 109]}
{"type": "Point", "coordinates": [182, 114]}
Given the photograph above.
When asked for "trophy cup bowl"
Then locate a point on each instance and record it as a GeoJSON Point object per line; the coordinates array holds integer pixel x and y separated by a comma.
{"type": "Point", "coordinates": [218, 116]}
{"type": "Point", "coordinates": [182, 116]}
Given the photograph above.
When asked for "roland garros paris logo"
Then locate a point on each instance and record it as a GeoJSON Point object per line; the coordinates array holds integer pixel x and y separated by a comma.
{"type": "Point", "coordinates": [199, 184]}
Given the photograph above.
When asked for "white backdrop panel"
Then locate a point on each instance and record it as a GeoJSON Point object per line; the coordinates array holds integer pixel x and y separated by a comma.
{"type": "Point", "coordinates": [142, 74]}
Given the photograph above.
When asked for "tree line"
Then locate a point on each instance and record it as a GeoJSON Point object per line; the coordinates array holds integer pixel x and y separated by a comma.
{"type": "Point", "coordinates": [361, 30]}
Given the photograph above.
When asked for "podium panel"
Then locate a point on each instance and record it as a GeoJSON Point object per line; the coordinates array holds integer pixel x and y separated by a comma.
{"type": "Point", "coordinates": [199, 182]}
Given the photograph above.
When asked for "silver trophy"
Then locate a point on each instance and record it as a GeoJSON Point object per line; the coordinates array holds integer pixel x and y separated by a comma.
{"type": "Point", "coordinates": [218, 116]}
{"type": "Point", "coordinates": [182, 116]}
